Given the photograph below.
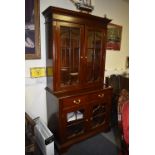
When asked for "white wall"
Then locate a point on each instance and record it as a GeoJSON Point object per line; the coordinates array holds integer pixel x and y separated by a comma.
{"type": "Point", "coordinates": [117, 10]}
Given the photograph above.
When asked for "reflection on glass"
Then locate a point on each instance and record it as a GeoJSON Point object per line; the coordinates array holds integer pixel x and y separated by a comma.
{"type": "Point", "coordinates": [90, 39]}
{"type": "Point", "coordinates": [72, 116]}
{"type": "Point", "coordinates": [98, 40]}
{"type": "Point", "coordinates": [98, 121]}
{"type": "Point", "coordinates": [70, 53]}
{"type": "Point", "coordinates": [98, 115]}
{"type": "Point", "coordinates": [75, 130]}
{"type": "Point", "coordinates": [75, 123]}
{"type": "Point", "coordinates": [94, 49]}
{"type": "Point", "coordinates": [90, 59]}
{"type": "Point", "coordinates": [98, 109]}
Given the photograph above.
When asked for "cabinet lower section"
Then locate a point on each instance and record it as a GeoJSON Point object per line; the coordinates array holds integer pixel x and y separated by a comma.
{"type": "Point", "coordinates": [79, 116]}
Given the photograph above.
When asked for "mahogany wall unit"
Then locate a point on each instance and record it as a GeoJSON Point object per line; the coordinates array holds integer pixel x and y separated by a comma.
{"type": "Point", "coordinates": [78, 103]}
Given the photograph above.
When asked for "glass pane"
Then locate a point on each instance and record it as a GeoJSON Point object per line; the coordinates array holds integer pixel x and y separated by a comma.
{"type": "Point", "coordinates": [90, 55]}
{"type": "Point", "coordinates": [75, 123]}
{"type": "Point", "coordinates": [98, 40]}
{"type": "Point", "coordinates": [75, 54]}
{"type": "Point", "coordinates": [90, 41]}
{"type": "Point", "coordinates": [94, 47]}
{"type": "Point", "coordinates": [98, 115]}
{"type": "Point", "coordinates": [75, 51]}
{"type": "Point", "coordinates": [64, 57]}
{"type": "Point", "coordinates": [64, 36]}
{"type": "Point", "coordinates": [97, 64]}
{"type": "Point", "coordinates": [90, 59]}
{"type": "Point", "coordinates": [97, 121]}
{"type": "Point", "coordinates": [76, 115]}
{"type": "Point", "coordinates": [70, 53]}
{"type": "Point", "coordinates": [75, 130]}
{"type": "Point", "coordinates": [98, 109]}
{"type": "Point", "coordinates": [97, 57]}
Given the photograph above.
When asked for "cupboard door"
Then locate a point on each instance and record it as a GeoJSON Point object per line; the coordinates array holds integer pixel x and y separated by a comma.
{"type": "Point", "coordinates": [94, 55]}
{"type": "Point", "coordinates": [74, 122]}
{"type": "Point", "coordinates": [69, 51]}
{"type": "Point", "coordinates": [98, 114]}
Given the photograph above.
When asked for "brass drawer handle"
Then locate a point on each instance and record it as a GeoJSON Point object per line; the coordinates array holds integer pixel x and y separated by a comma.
{"type": "Point", "coordinates": [101, 95]}
{"type": "Point", "coordinates": [77, 101]}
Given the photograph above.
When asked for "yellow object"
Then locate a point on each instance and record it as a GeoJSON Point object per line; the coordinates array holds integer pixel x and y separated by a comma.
{"type": "Point", "coordinates": [49, 71]}
{"type": "Point", "coordinates": [38, 72]}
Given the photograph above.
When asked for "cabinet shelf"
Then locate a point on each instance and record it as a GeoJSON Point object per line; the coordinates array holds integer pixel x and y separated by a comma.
{"type": "Point", "coordinates": [64, 68]}
{"type": "Point", "coordinates": [74, 122]}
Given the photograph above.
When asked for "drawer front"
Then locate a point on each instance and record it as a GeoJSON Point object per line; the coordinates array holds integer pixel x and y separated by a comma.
{"type": "Point", "coordinates": [82, 100]}
{"type": "Point", "coordinates": [73, 101]}
{"type": "Point", "coordinates": [101, 95]}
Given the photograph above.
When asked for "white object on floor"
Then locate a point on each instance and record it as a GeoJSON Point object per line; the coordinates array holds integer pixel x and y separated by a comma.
{"type": "Point", "coordinates": [44, 137]}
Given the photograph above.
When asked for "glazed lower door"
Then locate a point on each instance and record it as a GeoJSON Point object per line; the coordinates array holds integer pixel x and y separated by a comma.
{"type": "Point", "coordinates": [75, 122]}
{"type": "Point", "coordinates": [98, 114]}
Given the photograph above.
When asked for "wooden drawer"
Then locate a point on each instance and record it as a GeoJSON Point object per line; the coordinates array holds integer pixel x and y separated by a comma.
{"type": "Point", "coordinates": [73, 101]}
{"type": "Point", "coordinates": [85, 98]}
{"type": "Point", "coordinates": [101, 95]}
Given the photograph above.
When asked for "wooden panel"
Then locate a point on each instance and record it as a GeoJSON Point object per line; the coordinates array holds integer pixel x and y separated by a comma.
{"type": "Point", "coordinates": [73, 101]}
{"type": "Point", "coordinates": [98, 96]}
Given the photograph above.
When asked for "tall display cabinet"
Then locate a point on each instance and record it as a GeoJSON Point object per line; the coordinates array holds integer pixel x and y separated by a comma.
{"type": "Point", "coordinates": [78, 103]}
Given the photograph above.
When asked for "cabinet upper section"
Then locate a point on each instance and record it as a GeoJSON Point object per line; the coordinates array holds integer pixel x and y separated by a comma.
{"type": "Point", "coordinates": [76, 43]}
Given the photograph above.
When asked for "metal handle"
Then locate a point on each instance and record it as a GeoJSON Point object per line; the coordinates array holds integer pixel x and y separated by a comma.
{"type": "Point", "coordinates": [101, 95]}
{"type": "Point", "coordinates": [77, 101]}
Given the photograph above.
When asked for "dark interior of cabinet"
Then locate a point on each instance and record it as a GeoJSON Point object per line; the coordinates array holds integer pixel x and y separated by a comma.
{"type": "Point", "coordinates": [70, 46]}
{"type": "Point", "coordinates": [75, 123]}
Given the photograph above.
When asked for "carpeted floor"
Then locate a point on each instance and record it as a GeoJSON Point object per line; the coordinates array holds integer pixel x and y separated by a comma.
{"type": "Point", "coordinates": [101, 144]}
{"type": "Point", "coordinates": [97, 145]}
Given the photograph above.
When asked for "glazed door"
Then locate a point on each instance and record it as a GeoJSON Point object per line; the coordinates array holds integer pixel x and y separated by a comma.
{"type": "Point", "coordinates": [69, 53]}
{"type": "Point", "coordinates": [98, 114]}
{"type": "Point", "coordinates": [74, 122]}
{"type": "Point", "coordinates": [94, 55]}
